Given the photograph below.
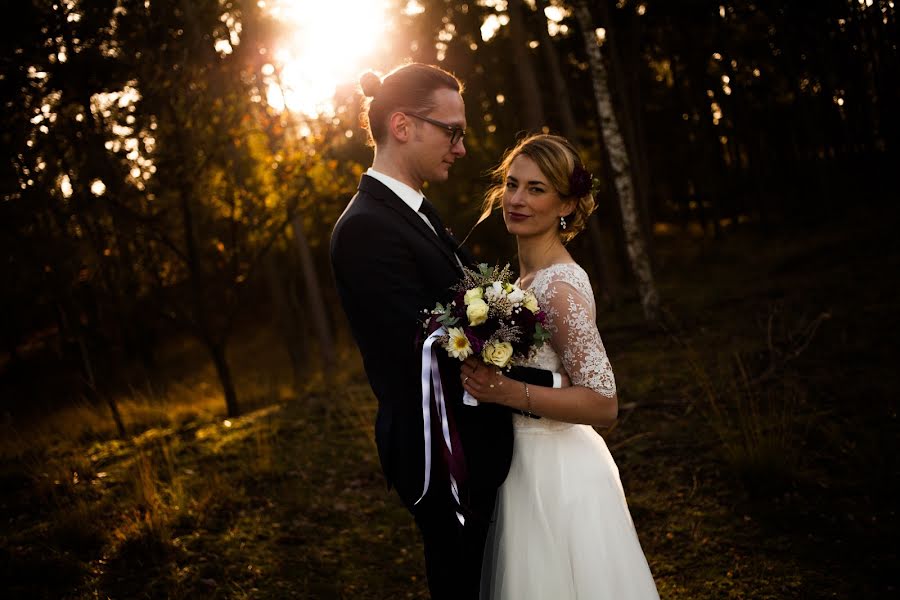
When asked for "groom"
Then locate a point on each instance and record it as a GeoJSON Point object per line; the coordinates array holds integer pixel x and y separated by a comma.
{"type": "Point", "coordinates": [392, 259]}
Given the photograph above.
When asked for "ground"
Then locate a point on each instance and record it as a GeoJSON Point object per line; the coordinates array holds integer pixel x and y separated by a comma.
{"type": "Point", "coordinates": [756, 443]}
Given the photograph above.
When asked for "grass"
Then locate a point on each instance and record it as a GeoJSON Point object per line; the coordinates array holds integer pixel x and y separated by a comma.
{"type": "Point", "coordinates": [745, 480]}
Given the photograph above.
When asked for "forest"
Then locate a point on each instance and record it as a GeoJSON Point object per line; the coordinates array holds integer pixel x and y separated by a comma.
{"type": "Point", "coordinates": [184, 410]}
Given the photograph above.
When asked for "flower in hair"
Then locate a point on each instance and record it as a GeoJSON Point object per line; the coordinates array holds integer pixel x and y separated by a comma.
{"type": "Point", "coordinates": [580, 182]}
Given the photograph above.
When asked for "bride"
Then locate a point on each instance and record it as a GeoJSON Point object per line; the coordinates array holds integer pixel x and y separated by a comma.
{"type": "Point", "coordinates": [562, 528]}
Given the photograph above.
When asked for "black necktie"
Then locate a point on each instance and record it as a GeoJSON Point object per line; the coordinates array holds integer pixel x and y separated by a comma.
{"type": "Point", "coordinates": [431, 214]}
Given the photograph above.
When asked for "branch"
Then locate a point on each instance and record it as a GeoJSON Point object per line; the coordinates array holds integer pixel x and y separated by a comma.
{"type": "Point", "coordinates": [255, 262]}
{"type": "Point", "coordinates": [144, 220]}
{"type": "Point", "coordinates": [778, 359]}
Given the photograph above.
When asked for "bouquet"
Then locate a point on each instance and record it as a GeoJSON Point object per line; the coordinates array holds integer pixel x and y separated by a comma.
{"type": "Point", "coordinates": [489, 317]}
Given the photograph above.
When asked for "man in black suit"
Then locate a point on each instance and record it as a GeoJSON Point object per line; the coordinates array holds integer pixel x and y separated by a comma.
{"type": "Point", "coordinates": [392, 259]}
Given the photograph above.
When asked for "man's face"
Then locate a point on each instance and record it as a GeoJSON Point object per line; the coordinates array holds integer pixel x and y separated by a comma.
{"type": "Point", "coordinates": [432, 152]}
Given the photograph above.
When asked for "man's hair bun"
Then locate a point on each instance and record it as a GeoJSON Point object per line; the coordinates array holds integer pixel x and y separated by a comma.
{"type": "Point", "coordinates": [370, 84]}
{"type": "Point", "coordinates": [409, 87]}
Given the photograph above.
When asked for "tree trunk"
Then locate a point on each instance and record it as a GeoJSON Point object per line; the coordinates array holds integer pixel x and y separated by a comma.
{"type": "Point", "coordinates": [116, 415]}
{"type": "Point", "coordinates": [641, 153]}
{"type": "Point", "coordinates": [625, 80]}
{"type": "Point", "coordinates": [560, 89]}
{"type": "Point", "coordinates": [529, 89]}
{"type": "Point", "coordinates": [198, 313]}
{"type": "Point", "coordinates": [91, 381]}
{"type": "Point", "coordinates": [570, 130]}
{"type": "Point", "coordinates": [314, 298]}
{"type": "Point", "coordinates": [122, 283]}
{"type": "Point", "coordinates": [289, 328]}
{"type": "Point", "coordinates": [97, 395]}
{"type": "Point", "coordinates": [622, 176]}
{"type": "Point", "coordinates": [217, 352]}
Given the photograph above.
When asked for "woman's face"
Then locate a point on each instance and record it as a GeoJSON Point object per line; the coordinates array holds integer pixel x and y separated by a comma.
{"type": "Point", "coordinates": [531, 206]}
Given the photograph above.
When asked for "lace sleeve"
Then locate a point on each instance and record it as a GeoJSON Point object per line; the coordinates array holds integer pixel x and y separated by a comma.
{"type": "Point", "coordinates": [574, 337]}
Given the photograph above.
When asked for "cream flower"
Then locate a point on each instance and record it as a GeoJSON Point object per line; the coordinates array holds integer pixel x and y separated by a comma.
{"type": "Point", "coordinates": [516, 295]}
{"type": "Point", "coordinates": [476, 293]}
{"type": "Point", "coordinates": [530, 302]}
{"type": "Point", "coordinates": [458, 345]}
{"type": "Point", "coordinates": [477, 312]}
{"type": "Point", "coordinates": [495, 290]}
{"type": "Point", "coordinates": [498, 353]}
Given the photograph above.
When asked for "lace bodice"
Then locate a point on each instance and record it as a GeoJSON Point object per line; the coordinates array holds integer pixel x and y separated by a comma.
{"type": "Point", "coordinates": [564, 293]}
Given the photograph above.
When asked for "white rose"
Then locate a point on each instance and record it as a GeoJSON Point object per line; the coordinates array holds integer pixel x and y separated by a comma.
{"type": "Point", "coordinates": [497, 353]}
{"type": "Point", "coordinates": [531, 302]}
{"type": "Point", "coordinates": [477, 312]}
{"type": "Point", "coordinates": [495, 290]}
{"type": "Point", "coordinates": [476, 293]}
{"type": "Point", "coordinates": [516, 295]}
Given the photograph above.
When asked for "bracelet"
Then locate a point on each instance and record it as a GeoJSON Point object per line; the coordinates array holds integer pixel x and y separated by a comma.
{"type": "Point", "coordinates": [527, 400]}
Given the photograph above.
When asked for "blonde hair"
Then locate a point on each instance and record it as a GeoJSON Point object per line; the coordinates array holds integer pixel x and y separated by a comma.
{"type": "Point", "coordinates": [557, 159]}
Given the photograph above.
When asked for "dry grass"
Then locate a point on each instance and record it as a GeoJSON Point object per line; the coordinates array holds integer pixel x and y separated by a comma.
{"type": "Point", "coordinates": [739, 487]}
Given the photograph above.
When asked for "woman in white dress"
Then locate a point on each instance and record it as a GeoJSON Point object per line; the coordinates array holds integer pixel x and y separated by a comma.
{"type": "Point", "coordinates": [562, 529]}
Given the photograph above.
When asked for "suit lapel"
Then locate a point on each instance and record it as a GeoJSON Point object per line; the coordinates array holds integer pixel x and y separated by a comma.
{"type": "Point", "coordinates": [467, 258]}
{"type": "Point", "coordinates": [377, 189]}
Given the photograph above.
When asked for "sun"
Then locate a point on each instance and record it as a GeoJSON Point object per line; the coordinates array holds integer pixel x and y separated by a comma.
{"type": "Point", "coordinates": [330, 43]}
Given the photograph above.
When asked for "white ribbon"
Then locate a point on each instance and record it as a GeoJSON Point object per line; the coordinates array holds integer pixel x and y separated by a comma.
{"type": "Point", "coordinates": [432, 376]}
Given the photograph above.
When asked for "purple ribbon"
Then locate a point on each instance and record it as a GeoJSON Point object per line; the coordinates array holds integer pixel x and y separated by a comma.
{"type": "Point", "coordinates": [431, 377]}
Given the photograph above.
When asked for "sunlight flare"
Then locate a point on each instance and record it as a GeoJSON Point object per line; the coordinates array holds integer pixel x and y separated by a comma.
{"type": "Point", "coordinates": [330, 44]}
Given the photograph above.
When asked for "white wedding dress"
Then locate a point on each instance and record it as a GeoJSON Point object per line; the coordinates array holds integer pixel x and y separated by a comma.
{"type": "Point", "coordinates": [562, 530]}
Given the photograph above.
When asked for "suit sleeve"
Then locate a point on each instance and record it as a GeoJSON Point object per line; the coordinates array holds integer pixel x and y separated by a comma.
{"type": "Point", "coordinates": [531, 375]}
{"type": "Point", "coordinates": [377, 274]}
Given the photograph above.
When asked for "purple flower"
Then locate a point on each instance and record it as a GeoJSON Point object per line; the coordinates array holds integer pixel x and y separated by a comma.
{"type": "Point", "coordinates": [525, 319]}
{"type": "Point", "coordinates": [580, 182]}
{"type": "Point", "coordinates": [476, 342]}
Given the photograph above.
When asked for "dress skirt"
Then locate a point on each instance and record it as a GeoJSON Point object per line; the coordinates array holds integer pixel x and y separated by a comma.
{"type": "Point", "coordinates": [562, 529]}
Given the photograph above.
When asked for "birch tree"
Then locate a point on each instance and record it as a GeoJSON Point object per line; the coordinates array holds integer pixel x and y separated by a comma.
{"type": "Point", "coordinates": [569, 128]}
{"type": "Point", "coordinates": [635, 242]}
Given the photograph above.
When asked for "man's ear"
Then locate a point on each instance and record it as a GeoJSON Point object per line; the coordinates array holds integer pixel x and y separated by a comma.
{"type": "Point", "coordinates": [400, 127]}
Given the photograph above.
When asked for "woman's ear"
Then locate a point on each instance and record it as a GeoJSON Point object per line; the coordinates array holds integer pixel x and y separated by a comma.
{"type": "Point", "coordinates": [566, 208]}
{"type": "Point", "coordinates": [399, 127]}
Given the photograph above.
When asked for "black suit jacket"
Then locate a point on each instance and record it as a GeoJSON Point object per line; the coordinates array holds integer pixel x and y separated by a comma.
{"type": "Point", "coordinates": [389, 267]}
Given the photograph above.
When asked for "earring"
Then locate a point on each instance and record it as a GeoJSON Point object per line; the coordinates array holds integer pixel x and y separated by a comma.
{"type": "Point", "coordinates": [562, 222]}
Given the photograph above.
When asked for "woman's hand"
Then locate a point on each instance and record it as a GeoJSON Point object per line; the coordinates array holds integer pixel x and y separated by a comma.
{"type": "Point", "coordinates": [487, 383]}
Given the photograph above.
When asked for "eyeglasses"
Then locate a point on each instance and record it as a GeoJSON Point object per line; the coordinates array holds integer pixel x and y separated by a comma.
{"type": "Point", "coordinates": [456, 132]}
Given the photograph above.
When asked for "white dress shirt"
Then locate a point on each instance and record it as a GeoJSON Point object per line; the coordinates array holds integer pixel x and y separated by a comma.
{"type": "Point", "coordinates": [412, 198]}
